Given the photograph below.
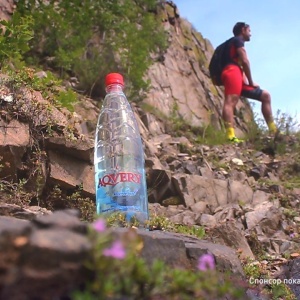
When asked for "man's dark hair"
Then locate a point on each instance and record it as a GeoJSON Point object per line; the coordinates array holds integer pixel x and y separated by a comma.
{"type": "Point", "coordinates": [237, 29]}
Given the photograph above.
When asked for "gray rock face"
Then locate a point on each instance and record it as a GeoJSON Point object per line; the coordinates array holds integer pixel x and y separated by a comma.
{"type": "Point", "coordinates": [45, 258]}
{"type": "Point", "coordinates": [41, 259]}
{"type": "Point", "coordinates": [181, 79]}
{"type": "Point", "coordinates": [291, 276]}
{"type": "Point", "coordinates": [187, 187]}
{"type": "Point", "coordinates": [7, 9]}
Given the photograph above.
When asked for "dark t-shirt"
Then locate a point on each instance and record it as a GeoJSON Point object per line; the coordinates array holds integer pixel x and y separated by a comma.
{"type": "Point", "coordinates": [232, 55]}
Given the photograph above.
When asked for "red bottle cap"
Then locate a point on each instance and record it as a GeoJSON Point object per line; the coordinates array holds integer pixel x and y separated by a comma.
{"type": "Point", "coordinates": [114, 78]}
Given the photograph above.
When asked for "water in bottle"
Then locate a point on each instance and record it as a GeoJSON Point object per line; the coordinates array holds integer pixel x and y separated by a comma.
{"type": "Point", "coordinates": [118, 156]}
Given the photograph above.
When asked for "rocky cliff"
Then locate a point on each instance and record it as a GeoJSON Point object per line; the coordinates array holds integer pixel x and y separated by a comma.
{"type": "Point", "coordinates": [180, 82]}
{"type": "Point", "coordinates": [236, 193]}
{"type": "Point", "coordinates": [180, 85]}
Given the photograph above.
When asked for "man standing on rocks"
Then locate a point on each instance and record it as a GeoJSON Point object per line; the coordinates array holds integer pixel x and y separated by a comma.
{"type": "Point", "coordinates": [237, 80]}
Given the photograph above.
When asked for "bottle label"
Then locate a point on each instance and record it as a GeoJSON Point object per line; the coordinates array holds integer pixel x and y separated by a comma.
{"type": "Point", "coordinates": [113, 179]}
{"type": "Point", "coordinates": [120, 191]}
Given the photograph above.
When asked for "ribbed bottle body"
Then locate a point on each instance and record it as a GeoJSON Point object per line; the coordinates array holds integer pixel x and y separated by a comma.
{"type": "Point", "coordinates": [119, 160]}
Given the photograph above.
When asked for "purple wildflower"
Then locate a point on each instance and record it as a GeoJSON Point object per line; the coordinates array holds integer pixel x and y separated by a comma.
{"type": "Point", "coordinates": [206, 262]}
{"type": "Point", "coordinates": [99, 225]}
{"type": "Point", "coordinates": [292, 235]}
{"type": "Point", "coordinates": [116, 250]}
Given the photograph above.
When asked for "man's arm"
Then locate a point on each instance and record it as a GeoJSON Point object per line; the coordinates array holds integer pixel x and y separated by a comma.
{"type": "Point", "coordinates": [245, 64]}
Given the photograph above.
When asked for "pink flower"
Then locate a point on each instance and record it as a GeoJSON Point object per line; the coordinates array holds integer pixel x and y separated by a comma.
{"type": "Point", "coordinates": [116, 250]}
{"type": "Point", "coordinates": [206, 262]}
{"type": "Point", "coordinates": [99, 225]}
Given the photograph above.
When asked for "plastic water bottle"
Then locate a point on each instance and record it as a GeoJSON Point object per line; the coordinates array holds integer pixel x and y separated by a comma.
{"type": "Point", "coordinates": [119, 157]}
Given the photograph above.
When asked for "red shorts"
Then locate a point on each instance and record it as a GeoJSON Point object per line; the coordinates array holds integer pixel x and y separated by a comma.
{"type": "Point", "coordinates": [232, 78]}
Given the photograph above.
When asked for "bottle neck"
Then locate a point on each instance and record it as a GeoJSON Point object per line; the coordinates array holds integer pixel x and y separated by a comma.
{"type": "Point", "coordinates": [114, 88]}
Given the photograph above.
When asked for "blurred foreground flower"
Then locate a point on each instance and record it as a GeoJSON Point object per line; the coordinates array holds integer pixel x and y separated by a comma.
{"type": "Point", "coordinates": [117, 250]}
{"type": "Point", "coordinates": [206, 262]}
{"type": "Point", "coordinates": [99, 225]}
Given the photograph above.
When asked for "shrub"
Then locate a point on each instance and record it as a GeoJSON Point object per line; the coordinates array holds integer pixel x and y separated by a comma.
{"type": "Point", "coordinates": [15, 35]}
{"type": "Point", "coordinates": [90, 39]}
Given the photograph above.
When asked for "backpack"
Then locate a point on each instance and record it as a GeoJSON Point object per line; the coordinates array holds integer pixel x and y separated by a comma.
{"type": "Point", "coordinates": [218, 61]}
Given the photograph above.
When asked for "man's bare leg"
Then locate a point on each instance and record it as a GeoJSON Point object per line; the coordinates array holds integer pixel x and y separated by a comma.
{"type": "Point", "coordinates": [266, 110]}
{"type": "Point", "coordinates": [228, 114]}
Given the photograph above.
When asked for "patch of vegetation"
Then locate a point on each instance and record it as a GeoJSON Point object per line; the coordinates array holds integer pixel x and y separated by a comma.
{"type": "Point", "coordinates": [292, 183]}
{"type": "Point", "coordinates": [15, 36]}
{"type": "Point", "coordinates": [177, 122]}
{"type": "Point", "coordinates": [15, 192]}
{"type": "Point", "coordinates": [214, 90]}
{"type": "Point", "coordinates": [265, 182]}
{"type": "Point", "coordinates": [162, 223]}
{"type": "Point", "coordinates": [67, 98]}
{"type": "Point", "coordinates": [256, 272]}
{"type": "Point", "coordinates": [254, 135]}
{"type": "Point", "coordinates": [255, 245]}
{"type": "Point", "coordinates": [281, 291]}
{"type": "Point", "coordinates": [262, 140]}
{"type": "Point", "coordinates": [49, 86]}
{"type": "Point", "coordinates": [28, 190]}
{"type": "Point", "coordinates": [153, 110]}
{"type": "Point", "coordinates": [284, 200]}
{"type": "Point", "coordinates": [252, 269]}
{"type": "Point", "coordinates": [56, 199]}
{"type": "Point", "coordinates": [209, 135]}
{"type": "Point", "coordinates": [178, 126]}
{"type": "Point", "coordinates": [155, 222]}
{"type": "Point", "coordinates": [290, 177]}
{"type": "Point", "coordinates": [290, 213]}
{"type": "Point", "coordinates": [119, 271]}
{"type": "Point", "coordinates": [270, 287]}
{"type": "Point", "coordinates": [202, 60]}
{"type": "Point", "coordinates": [86, 40]}
{"type": "Point", "coordinates": [27, 182]}
{"type": "Point", "coordinates": [194, 230]}
{"type": "Point", "coordinates": [118, 219]}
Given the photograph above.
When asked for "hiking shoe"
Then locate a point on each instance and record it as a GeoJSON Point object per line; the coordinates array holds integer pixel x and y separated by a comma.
{"type": "Point", "coordinates": [235, 140]}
